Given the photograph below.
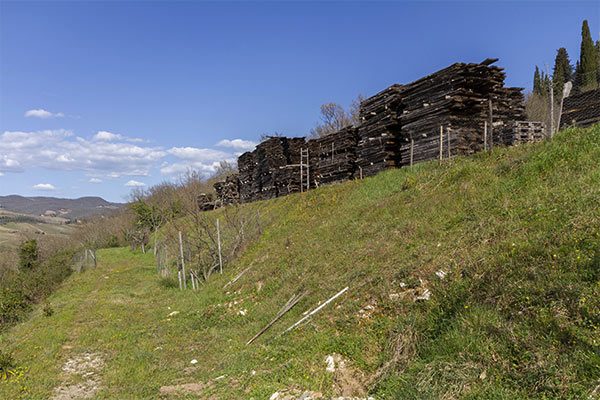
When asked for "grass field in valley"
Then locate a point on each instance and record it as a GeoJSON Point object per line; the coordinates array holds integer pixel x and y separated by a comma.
{"type": "Point", "coordinates": [478, 278]}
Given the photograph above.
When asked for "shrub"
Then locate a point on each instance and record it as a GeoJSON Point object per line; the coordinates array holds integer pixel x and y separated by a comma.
{"type": "Point", "coordinates": [7, 364]}
{"type": "Point", "coordinates": [28, 254]}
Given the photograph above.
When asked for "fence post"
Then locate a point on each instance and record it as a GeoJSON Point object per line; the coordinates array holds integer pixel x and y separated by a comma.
{"type": "Point", "coordinates": [491, 116]}
{"type": "Point", "coordinates": [441, 140]}
{"type": "Point", "coordinates": [484, 135]}
{"type": "Point", "coordinates": [182, 260]}
{"type": "Point", "coordinates": [219, 245]}
{"type": "Point", "coordinates": [448, 141]}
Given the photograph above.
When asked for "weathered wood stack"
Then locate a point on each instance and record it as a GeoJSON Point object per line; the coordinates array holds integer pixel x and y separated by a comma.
{"type": "Point", "coordinates": [336, 156]}
{"type": "Point", "coordinates": [228, 191]}
{"type": "Point", "coordinates": [287, 176]}
{"type": "Point", "coordinates": [456, 99]}
{"type": "Point", "coordinates": [246, 171]}
{"type": "Point", "coordinates": [447, 113]}
{"type": "Point", "coordinates": [271, 170]}
{"type": "Point", "coordinates": [522, 132]}
{"type": "Point", "coordinates": [581, 109]}
{"type": "Point", "coordinates": [379, 131]}
{"type": "Point", "coordinates": [206, 201]}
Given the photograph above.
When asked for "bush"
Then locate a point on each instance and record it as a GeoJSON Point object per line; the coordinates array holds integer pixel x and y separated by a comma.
{"type": "Point", "coordinates": [7, 364]}
{"type": "Point", "coordinates": [28, 254]}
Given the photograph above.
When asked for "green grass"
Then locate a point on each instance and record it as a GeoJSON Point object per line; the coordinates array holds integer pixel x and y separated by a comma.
{"type": "Point", "coordinates": [517, 316]}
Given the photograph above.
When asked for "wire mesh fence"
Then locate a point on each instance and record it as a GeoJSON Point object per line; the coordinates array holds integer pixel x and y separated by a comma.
{"type": "Point", "coordinates": [84, 259]}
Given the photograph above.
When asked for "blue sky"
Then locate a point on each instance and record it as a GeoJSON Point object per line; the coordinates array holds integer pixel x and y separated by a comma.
{"type": "Point", "coordinates": [97, 97]}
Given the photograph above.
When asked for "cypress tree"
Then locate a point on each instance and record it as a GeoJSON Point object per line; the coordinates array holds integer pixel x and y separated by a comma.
{"type": "Point", "coordinates": [537, 81]}
{"type": "Point", "coordinates": [588, 60]}
{"type": "Point", "coordinates": [563, 72]}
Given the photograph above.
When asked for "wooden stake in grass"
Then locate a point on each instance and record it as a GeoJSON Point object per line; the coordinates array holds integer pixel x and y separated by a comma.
{"type": "Point", "coordinates": [238, 276]}
{"type": "Point", "coordinates": [441, 141]}
{"type": "Point", "coordinates": [485, 135]}
{"type": "Point", "coordinates": [219, 246]}
{"type": "Point", "coordinates": [287, 307]}
{"type": "Point", "coordinates": [182, 260]}
{"type": "Point", "coordinates": [316, 310]}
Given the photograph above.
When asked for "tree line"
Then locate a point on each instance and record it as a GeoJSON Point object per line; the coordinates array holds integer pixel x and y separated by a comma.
{"type": "Point", "coordinates": [585, 75]}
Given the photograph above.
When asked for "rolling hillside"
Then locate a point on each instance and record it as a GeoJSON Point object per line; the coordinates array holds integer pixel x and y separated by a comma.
{"type": "Point", "coordinates": [67, 208]}
{"type": "Point", "coordinates": [477, 278]}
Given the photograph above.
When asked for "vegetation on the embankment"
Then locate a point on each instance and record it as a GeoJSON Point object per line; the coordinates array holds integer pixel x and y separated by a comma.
{"type": "Point", "coordinates": [505, 246]}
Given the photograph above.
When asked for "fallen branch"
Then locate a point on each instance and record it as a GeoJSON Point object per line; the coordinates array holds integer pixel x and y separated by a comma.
{"type": "Point", "coordinates": [316, 310]}
{"type": "Point", "coordinates": [238, 276]}
{"type": "Point", "coordinates": [287, 307]}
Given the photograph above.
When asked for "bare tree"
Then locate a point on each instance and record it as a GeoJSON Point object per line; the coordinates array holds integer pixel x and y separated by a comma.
{"type": "Point", "coordinates": [334, 118]}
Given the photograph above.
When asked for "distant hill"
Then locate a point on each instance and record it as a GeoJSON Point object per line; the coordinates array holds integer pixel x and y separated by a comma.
{"type": "Point", "coordinates": [66, 208]}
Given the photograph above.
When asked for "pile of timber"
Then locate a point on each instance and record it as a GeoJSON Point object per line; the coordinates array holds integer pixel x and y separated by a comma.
{"type": "Point", "coordinates": [581, 109]}
{"type": "Point", "coordinates": [379, 131]}
{"type": "Point", "coordinates": [522, 132]}
{"type": "Point", "coordinates": [336, 156]}
{"type": "Point", "coordinates": [228, 191]}
{"type": "Point", "coordinates": [446, 113]}
{"type": "Point", "coordinates": [206, 202]}
{"type": "Point", "coordinates": [271, 170]}
{"type": "Point", "coordinates": [248, 187]}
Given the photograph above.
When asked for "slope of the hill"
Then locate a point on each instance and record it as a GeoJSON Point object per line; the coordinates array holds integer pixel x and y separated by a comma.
{"type": "Point", "coordinates": [82, 207]}
{"type": "Point", "coordinates": [503, 250]}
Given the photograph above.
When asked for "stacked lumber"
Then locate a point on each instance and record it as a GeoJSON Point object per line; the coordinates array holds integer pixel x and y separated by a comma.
{"type": "Point", "coordinates": [271, 170]}
{"type": "Point", "coordinates": [379, 131]}
{"type": "Point", "coordinates": [228, 191]}
{"type": "Point", "coordinates": [336, 156]}
{"type": "Point", "coordinates": [445, 112]}
{"type": "Point", "coordinates": [522, 132]}
{"type": "Point", "coordinates": [287, 176]}
{"type": "Point", "coordinates": [248, 187]}
{"type": "Point", "coordinates": [205, 202]}
{"type": "Point", "coordinates": [581, 109]}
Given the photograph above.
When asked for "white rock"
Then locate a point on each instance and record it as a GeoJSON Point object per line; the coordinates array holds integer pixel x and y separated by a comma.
{"type": "Point", "coordinates": [194, 361]}
{"type": "Point", "coordinates": [330, 364]}
{"type": "Point", "coordinates": [424, 296]}
{"type": "Point", "coordinates": [441, 274]}
{"type": "Point", "coordinates": [274, 396]}
{"type": "Point", "coordinates": [173, 313]}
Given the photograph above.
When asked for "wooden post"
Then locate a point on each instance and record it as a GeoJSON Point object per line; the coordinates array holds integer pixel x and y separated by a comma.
{"type": "Point", "coordinates": [551, 110]}
{"type": "Point", "coordinates": [219, 246]}
{"type": "Point", "coordinates": [412, 149]}
{"type": "Point", "coordinates": [179, 278]}
{"type": "Point", "coordinates": [182, 260]}
{"type": "Point", "coordinates": [332, 158]}
{"type": "Point", "coordinates": [301, 173]}
{"type": "Point", "coordinates": [441, 140]}
{"type": "Point", "coordinates": [485, 135]}
{"type": "Point", "coordinates": [491, 116]}
{"type": "Point", "coordinates": [448, 141]}
{"type": "Point", "coordinates": [360, 170]}
{"type": "Point", "coordinates": [307, 170]}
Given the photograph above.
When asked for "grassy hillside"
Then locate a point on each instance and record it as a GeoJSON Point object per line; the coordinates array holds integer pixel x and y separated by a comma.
{"type": "Point", "coordinates": [505, 246]}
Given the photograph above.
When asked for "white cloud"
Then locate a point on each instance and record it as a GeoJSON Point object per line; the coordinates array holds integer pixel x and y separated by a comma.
{"type": "Point", "coordinates": [198, 154]}
{"type": "Point", "coordinates": [41, 113]}
{"type": "Point", "coordinates": [203, 160]}
{"type": "Point", "coordinates": [237, 144]}
{"type": "Point", "coordinates": [106, 155]}
{"type": "Point", "coordinates": [1, 173]}
{"type": "Point", "coordinates": [44, 187]}
{"type": "Point", "coordinates": [95, 180]}
{"type": "Point", "coordinates": [133, 183]}
{"type": "Point", "coordinates": [105, 136]}
{"type": "Point", "coordinates": [60, 150]}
